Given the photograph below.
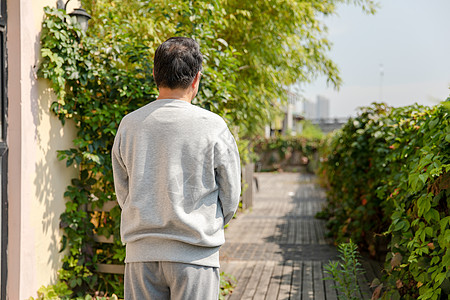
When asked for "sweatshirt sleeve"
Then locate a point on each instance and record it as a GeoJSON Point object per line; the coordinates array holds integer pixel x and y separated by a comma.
{"type": "Point", "coordinates": [120, 172]}
{"type": "Point", "coordinates": [228, 174]}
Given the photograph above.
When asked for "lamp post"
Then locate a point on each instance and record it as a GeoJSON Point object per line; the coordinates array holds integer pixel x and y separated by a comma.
{"type": "Point", "coordinates": [82, 17]}
{"type": "Point", "coordinates": [79, 13]}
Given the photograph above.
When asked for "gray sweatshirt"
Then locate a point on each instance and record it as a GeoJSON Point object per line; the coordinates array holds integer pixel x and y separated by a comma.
{"type": "Point", "coordinates": [177, 179]}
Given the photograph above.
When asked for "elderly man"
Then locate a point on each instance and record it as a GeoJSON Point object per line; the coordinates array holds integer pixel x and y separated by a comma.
{"type": "Point", "coordinates": [177, 179]}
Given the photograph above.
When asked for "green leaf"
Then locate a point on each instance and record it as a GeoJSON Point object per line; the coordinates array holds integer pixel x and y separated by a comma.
{"type": "Point", "coordinates": [424, 205]}
{"type": "Point", "coordinates": [423, 177]}
{"type": "Point", "coordinates": [440, 278]}
{"type": "Point", "coordinates": [413, 180]}
{"type": "Point", "coordinates": [432, 215]}
{"type": "Point", "coordinates": [444, 222]}
{"type": "Point", "coordinates": [433, 123]}
{"type": "Point", "coordinates": [446, 258]}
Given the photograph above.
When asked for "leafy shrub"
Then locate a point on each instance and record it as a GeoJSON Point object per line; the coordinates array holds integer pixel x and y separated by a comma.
{"type": "Point", "coordinates": [388, 178]}
{"type": "Point", "coordinates": [284, 151]}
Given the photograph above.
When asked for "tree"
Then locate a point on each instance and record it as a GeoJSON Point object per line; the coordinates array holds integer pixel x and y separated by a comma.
{"type": "Point", "coordinates": [253, 49]}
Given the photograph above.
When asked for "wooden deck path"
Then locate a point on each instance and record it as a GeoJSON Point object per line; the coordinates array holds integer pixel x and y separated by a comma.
{"type": "Point", "coordinates": [278, 250]}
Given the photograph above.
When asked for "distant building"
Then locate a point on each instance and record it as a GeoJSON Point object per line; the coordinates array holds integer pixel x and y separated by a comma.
{"type": "Point", "coordinates": [322, 108]}
{"type": "Point", "coordinates": [319, 114]}
{"type": "Point", "coordinates": [309, 109]}
{"type": "Point", "coordinates": [316, 110]}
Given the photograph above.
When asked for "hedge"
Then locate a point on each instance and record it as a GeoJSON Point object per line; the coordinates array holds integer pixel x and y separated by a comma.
{"type": "Point", "coordinates": [288, 153]}
{"type": "Point", "coordinates": [387, 174]}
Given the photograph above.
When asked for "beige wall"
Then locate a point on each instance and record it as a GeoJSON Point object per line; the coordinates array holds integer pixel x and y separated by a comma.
{"type": "Point", "coordinates": [36, 180]}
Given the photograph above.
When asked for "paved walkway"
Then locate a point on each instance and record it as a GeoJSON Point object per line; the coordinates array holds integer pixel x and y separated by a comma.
{"type": "Point", "coordinates": [278, 249]}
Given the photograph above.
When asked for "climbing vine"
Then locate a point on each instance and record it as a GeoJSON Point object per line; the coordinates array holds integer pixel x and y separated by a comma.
{"type": "Point", "coordinates": [96, 82]}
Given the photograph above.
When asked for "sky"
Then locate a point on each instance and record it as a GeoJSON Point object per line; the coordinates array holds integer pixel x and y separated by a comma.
{"type": "Point", "coordinates": [409, 38]}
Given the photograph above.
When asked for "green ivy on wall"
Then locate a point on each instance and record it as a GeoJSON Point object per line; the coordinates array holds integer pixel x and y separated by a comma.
{"type": "Point", "coordinates": [97, 83]}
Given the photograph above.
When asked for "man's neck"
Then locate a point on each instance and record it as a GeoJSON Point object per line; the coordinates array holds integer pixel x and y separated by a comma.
{"type": "Point", "coordinates": [178, 94]}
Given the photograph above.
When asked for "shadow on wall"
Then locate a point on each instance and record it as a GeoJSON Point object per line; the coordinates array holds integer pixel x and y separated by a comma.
{"type": "Point", "coordinates": [51, 179]}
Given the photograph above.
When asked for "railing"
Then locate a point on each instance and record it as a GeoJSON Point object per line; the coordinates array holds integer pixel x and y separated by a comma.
{"type": "Point", "coordinates": [329, 124]}
{"type": "Point", "coordinates": [340, 121]}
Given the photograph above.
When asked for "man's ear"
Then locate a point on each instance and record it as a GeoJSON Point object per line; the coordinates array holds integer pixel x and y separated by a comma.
{"type": "Point", "coordinates": [196, 79]}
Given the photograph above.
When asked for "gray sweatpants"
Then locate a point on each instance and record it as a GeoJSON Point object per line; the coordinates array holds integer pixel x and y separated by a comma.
{"type": "Point", "coordinates": [170, 280]}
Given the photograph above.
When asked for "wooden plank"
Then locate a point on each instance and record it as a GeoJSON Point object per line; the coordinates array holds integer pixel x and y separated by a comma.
{"type": "Point", "coordinates": [296, 288]}
{"type": "Point", "coordinates": [307, 286]}
{"type": "Point", "coordinates": [267, 229]}
{"type": "Point", "coordinates": [302, 232]}
{"type": "Point", "coordinates": [250, 251]}
{"type": "Point", "coordinates": [364, 287]}
{"type": "Point", "coordinates": [274, 285]}
{"type": "Point", "coordinates": [269, 252]}
{"type": "Point", "coordinates": [284, 231]}
{"type": "Point", "coordinates": [319, 287]}
{"type": "Point", "coordinates": [321, 227]}
{"type": "Point", "coordinates": [257, 228]}
{"type": "Point", "coordinates": [286, 280]}
{"type": "Point", "coordinates": [277, 231]}
{"type": "Point", "coordinates": [308, 231]}
{"type": "Point", "coordinates": [109, 268]}
{"type": "Point", "coordinates": [291, 232]}
{"type": "Point", "coordinates": [243, 280]}
{"type": "Point", "coordinates": [313, 230]}
{"type": "Point", "coordinates": [257, 238]}
{"type": "Point", "coordinates": [264, 281]}
{"type": "Point", "coordinates": [298, 235]}
{"type": "Point", "coordinates": [237, 269]}
{"type": "Point", "coordinates": [253, 281]}
{"type": "Point", "coordinates": [237, 249]}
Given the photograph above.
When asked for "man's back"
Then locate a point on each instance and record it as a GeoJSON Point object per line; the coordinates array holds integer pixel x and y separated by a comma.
{"type": "Point", "coordinates": [179, 160]}
{"type": "Point", "coordinates": [177, 180]}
